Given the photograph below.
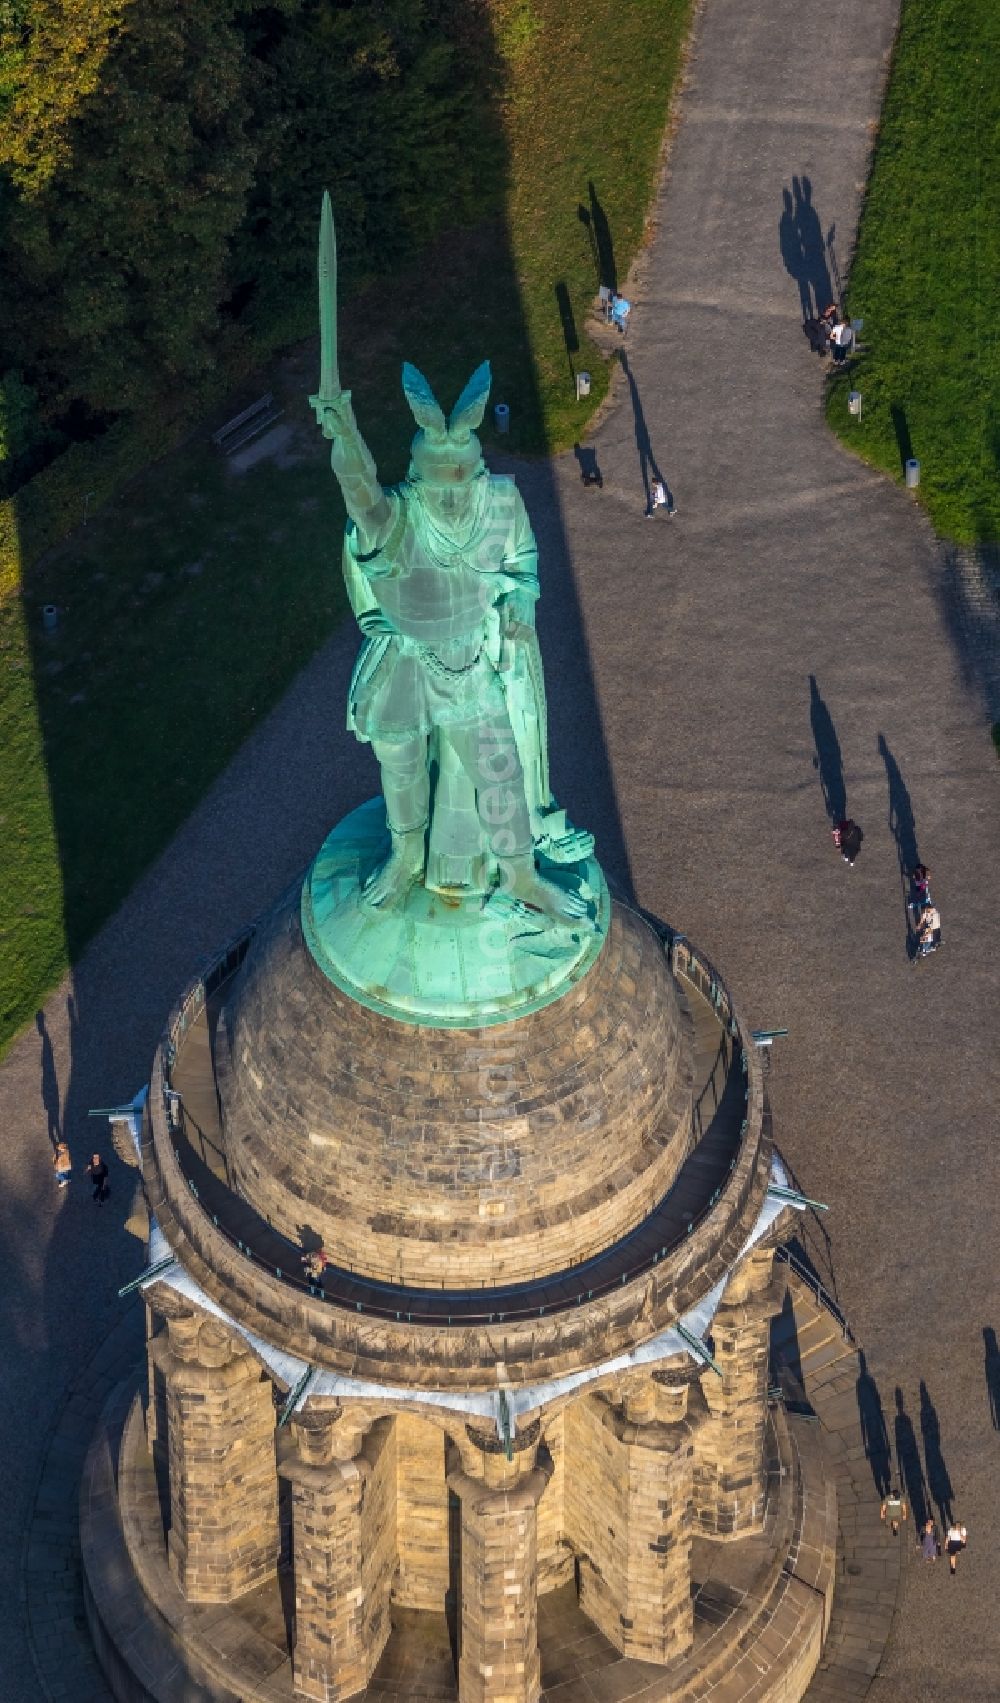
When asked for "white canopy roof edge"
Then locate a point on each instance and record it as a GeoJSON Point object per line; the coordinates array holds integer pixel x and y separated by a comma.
{"type": "Point", "coordinates": [288, 1369]}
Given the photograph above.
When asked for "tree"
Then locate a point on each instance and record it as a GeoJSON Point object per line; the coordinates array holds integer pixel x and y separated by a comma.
{"type": "Point", "coordinates": [123, 190]}
{"type": "Point", "coordinates": [380, 103]}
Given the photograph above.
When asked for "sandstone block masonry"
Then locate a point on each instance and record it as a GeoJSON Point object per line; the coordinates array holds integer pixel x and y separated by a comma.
{"type": "Point", "coordinates": [344, 1544]}
{"type": "Point", "coordinates": [223, 1536]}
{"type": "Point", "coordinates": [499, 1660]}
{"type": "Point", "coordinates": [732, 1460]}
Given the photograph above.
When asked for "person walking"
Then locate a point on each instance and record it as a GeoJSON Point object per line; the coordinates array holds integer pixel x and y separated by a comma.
{"type": "Point", "coordinates": [314, 1264]}
{"type": "Point", "coordinates": [97, 1171]}
{"type": "Point", "coordinates": [929, 1546]}
{"type": "Point", "coordinates": [928, 932]}
{"type": "Point", "coordinates": [894, 1510]}
{"type": "Point", "coordinates": [920, 879]}
{"type": "Point", "coordinates": [659, 498]}
{"type": "Point", "coordinates": [847, 838]}
{"type": "Point", "coordinates": [955, 1541]}
{"type": "Point", "coordinates": [62, 1164]}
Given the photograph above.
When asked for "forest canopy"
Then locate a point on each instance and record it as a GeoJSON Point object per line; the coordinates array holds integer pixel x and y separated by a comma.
{"type": "Point", "coordinates": [160, 174]}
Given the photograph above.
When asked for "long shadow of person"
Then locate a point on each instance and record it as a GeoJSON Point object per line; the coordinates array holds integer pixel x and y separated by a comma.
{"type": "Point", "coordinates": [938, 1482]}
{"type": "Point", "coordinates": [790, 245]}
{"type": "Point", "coordinates": [815, 269]}
{"type": "Point", "coordinates": [992, 1371]}
{"type": "Point", "coordinates": [828, 759]}
{"type": "Point", "coordinates": [49, 1084]}
{"type": "Point", "coordinates": [649, 469]}
{"type": "Point", "coordinates": [831, 254]}
{"type": "Point", "coordinates": [908, 1462]}
{"type": "Point", "coordinates": [901, 822]}
{"type": "Point", "coordinates": [874, 1431]}
{"type": "Point", "coordinates": [903, 829]}
{"type": "Point", "coordinates": [603, 241]}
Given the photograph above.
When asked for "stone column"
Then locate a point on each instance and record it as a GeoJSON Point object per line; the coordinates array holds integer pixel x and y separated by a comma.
{"type": "Point", "coordinates": [738, 1401]}
{"type": "Point", "coordinates": [499, 1662]}
{"type": "Point", "coordinates": [641, 1598]}
{"type": "Point", "coordinates": [340, 1528]}
{"type": "Point", "coordinates": [223, 1537]}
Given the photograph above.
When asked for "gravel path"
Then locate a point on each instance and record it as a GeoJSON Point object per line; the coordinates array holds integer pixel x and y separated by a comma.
{"type": "Point", "coordinates": [679, 656]}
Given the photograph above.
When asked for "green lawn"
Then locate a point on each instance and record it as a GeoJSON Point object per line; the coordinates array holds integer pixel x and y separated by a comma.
{"type": "Point", "coordinates": [926, 276]}
{"type": "Point", "coordinates": [190, 602]}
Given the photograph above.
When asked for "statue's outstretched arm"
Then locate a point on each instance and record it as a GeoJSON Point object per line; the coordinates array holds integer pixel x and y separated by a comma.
{"type": "Point", "coordinates": [352, 462]}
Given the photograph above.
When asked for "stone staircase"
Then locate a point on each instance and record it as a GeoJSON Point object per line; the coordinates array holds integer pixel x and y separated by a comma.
{"type": "Point", "coordinates": [816, 1364]}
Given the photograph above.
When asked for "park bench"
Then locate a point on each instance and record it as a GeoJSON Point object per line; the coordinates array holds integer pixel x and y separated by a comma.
{"type": "Point", "coordinates": [253, 420]}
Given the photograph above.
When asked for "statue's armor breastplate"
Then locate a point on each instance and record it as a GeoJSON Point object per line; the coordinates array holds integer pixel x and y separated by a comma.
{"type": "Point", "coordinates": [435, 604]}
{"type": "Point", "coordinates": [438, 598]}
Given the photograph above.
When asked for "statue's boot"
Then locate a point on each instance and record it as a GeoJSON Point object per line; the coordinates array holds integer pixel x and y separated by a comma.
{"type": "Point", "coordinates": [555, 836]}
{"type": "Point", "coordinates": [402, 869]}
{"type": "Point", "coordinates": [521, 880]}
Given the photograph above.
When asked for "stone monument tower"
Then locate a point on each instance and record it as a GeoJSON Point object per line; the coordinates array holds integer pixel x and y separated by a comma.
{"type": "Point", "coordinates": [463, 1211]}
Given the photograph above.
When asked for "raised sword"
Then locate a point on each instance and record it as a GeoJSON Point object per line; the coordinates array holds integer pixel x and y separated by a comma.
{"type": "Point", "coordinates": [329, 375]}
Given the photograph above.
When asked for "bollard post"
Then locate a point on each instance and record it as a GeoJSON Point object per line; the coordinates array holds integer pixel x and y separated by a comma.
{"type": "Point", "coordinates": [582, 386]}
{"type": "Point", "coordinates": [50, 617]}
{"type": "Point", "coordinates": [854, 402]}
{"type": "Point", "coordinates": [912, 474]}
{"type": "Point", "coordinates": [501, 416]}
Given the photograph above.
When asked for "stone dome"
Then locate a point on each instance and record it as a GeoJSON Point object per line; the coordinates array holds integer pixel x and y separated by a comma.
{"type": "Point", "coordinates": [454, 1158]}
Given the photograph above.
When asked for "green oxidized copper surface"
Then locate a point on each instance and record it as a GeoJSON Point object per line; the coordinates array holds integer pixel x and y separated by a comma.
{"type": "Point", "coordinates": [439, 959]}
{"type": "Point", "coordinates": [471, 898]}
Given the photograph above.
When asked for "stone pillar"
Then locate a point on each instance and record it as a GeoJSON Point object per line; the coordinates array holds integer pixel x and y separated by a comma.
{"type": "Point", "coordinates": [634, 1517]}
{"type": "Point", "coordinates": [738, 1401]}
{"type": "Point", "coordinates": [343, 1550]}
{"type": "Point", "coordinates": [499, 1660]}
{"type": "Point", "coordinates": [223, 1537]}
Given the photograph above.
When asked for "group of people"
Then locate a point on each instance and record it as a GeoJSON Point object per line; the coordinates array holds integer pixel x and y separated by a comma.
{"type": "Point", "coordinates": [928, 1542]}
{"type": "Point", "coordinates": [97, 1171]}
{"type": "Point", "coordinates": [829, 333]}
{"type": "Point", "coordinates": [924, 916]}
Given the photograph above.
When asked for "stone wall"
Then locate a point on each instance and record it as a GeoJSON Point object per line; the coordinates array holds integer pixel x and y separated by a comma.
{"type": "Point", "coordinates": [422, 1514]}
{"type": "Point", "coordinates": [223, 1536]}
{"type": "Point", "coordinates": [555, 1558]}
{"type": "Point", "coordinates": [731, 1463]}
{"type": "Point", "coordinates": [455, 1157]}
{"type": "Point", "coordinates": [378, 1535]}
{"type": "Point", "coordinates": [629, 1518]}
{"type": "Point", "coordinates": [594, 1510]}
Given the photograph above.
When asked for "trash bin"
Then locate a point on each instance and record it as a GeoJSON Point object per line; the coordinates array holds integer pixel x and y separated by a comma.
{"type": "Point", "coordinates": [582, 385]}
{"type": "Point", "coordinates": [501, 416]}
{"type": "Point", "coordinates": [912, 474]}
{"type": "Point", "coordinates": [854, 402]}
{"type": "Point", "coordinates": [50, 617]}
